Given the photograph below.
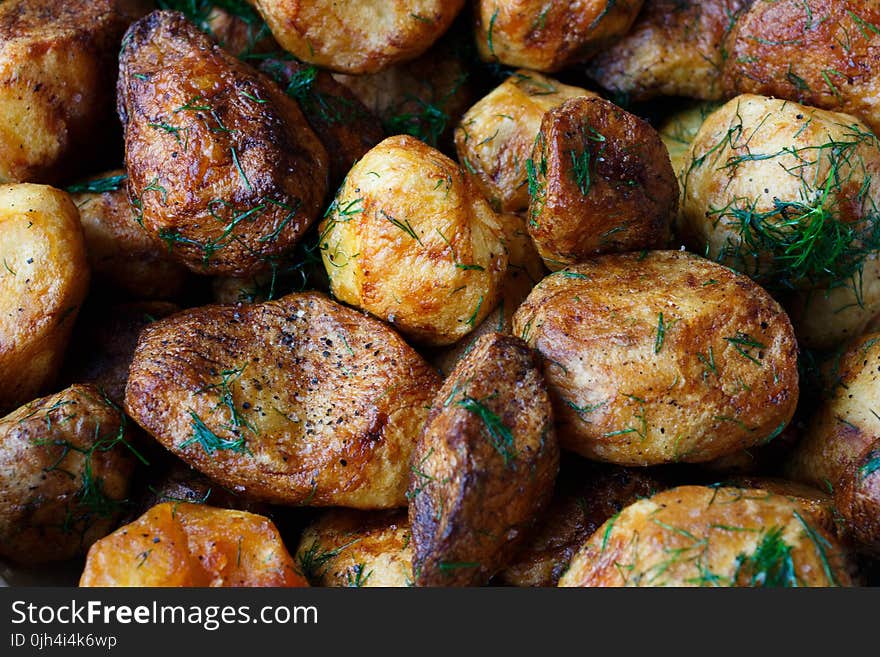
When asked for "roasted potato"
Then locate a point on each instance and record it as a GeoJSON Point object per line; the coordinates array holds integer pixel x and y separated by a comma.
{"type": "Point", "coordinates": [357, 549]}
{"type": "Point", "coordinates": [121, 254]}
{"type": "Point", "coordinates": [546, 36]}
{"type": "Point", "coordinates": [181, 544]}
{"type": "Point", "coordinates": [600, 181]}
{"type": "Point", "coordinates": [358, 36]}
{"type": "Point", "coordinates": [785, 193]}
{"type": "Point", "coordinates": [43, 282]}
{"type": "Point", "coordinates": [222, 165]}
{"type": "Point", "coordinates": [57, 62]}
{"type": "Point", "coordinates": [661, 357]}
{"type": "Point", "coordinates": [494, 140]}
{"type": "Point", "coordinates": [410, 240]}
{"type": "Point", "coordinates": [822, 53]}
{"type": "Point", "coordinates": [295, 401]}
{"type": "Point", "coordinates": [234, 24]}
{"type": "Point", "coordinates": [679, 130]}
{"type": "Point", "coordinates": [699, 536]}
{"type": "Point", "coordinates": [65, 468]}
{"type": "Point", "coordinates": [857, 498]}
{"type": "Point", "coordinates": [675, 48]}
{"type": "Point", "coordinates": [484, 467]}
{"type": "Point", "coordinates": [816, 503]}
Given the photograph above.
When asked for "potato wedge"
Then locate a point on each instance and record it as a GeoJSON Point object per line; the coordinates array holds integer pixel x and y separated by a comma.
{"type": "Point", "coordinates": [484, 467]}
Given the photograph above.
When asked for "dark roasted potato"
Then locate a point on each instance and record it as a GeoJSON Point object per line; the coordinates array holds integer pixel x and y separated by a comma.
{"type": "Point", "coordinates": [65, 466]}
{"type": "Point", "coordinates": [181, 544]}
{"type": "Point", "coordinates": [600, 182]}
{"type": "Point", "coordinates": [234, 24]}
{"type": "Point", "coordinates": [295, 401]}
{"type": "Point", "coordinates": [675, 48]}
{"type": "Point", "coordinates": [222, 165]}
{"type": "Point", "coordinates": [548, 36]}
{"type": "Point", "coordinates": [857, 498]}
{"type": "Point", "coordinates": [699, 536]}
{"type": "Point", "coordinates": [484, 467]}
{"type": "Point", "coordinates": [661, 357]}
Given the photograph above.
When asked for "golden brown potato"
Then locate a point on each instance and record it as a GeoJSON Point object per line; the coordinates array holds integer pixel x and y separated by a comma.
{"type": "Point", "coordinates": [234, 24]}
{"type": "Point", "coordinates": [181, 544]}
{"type": "Point", "coordinates": [600, 181]}
{"type": "Point", "coordinates": [65, 466]}
{"type": "Point", "coordinates": [44, 280]}
{"type": "Point", "coordinates": [699, 536]}
{"type": "Point", "coordinates": [675, 48]}
{"type": "Point", "coordinates": [857, 498]}
{"type": "Point", "coordinates": [661, 357]}
{"type": "Point", "coordinates": [222, 165]}
{"type": "Point", "coordinates": [785, 193]}
{"type": "Point", "coordinates": [121, 254]}
{"type": "Point", "coordinates": [584, 499]}
{"type": "Point", "coordinates": [357, 36]}
{"type": "Point", "coordinates": [233, 289]}
{"type": "Point", "coordinates": [357, 549]}
{"type": "Point", "coordinates": [484, 467]}
{"type": "Point", "coordinates": [57, 66]}
{"type": "Point", "coordinates": [495, 138]}
{"type": "Point", "coordinates": [679, 130]}
{"type": "Point", "coordinates": [818, 504]}
{"type": "Point", "coordinates": [410, 240]}
{"type": "Point", "coordinates": [548, 36]}
{"type": "Point", "coordinates": [822, 53]}
{"type": "Point", "coordinates": [295, 401]}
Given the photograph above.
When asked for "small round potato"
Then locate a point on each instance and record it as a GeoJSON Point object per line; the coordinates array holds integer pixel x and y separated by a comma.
{"type": "Point", "coordinates": [410, 240]}
{"type": "Point", "coordinates": [65, 467]}
{"type": "Point", "coordinates": [43, 281]}
{"type": "Point", "coordinates": [181, 544]}
{"type": "Point", "coordinates": [857, 498]}
{"type": "Point", "coordinates": [699, 536]}
{"type": "Point", "coordinates": [548, 36]}
{"type": "Point", "coordinates": [679, 130]}
{"type": "Point", "coordinates": [661, 357]}
{"type": "Point", "coordinates": [357, 549]}
{"type": "Point", "coordinates": [484, 467]}
{"type": "Point", "coordinates": [600, 181]}
{"type": "Point", "coordinates": [816, 503]}
{"type": "Point", "coordinates": [495, 138]}
{"type": "Point", "coordinates": [785, 193]}
{"type": "Point", "coordinates": [357, 36]}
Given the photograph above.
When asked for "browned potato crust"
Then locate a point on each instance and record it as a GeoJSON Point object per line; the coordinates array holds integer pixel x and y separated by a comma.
{"type": "Point", "coordinates": [857, 498]}
{"type": "Point", "coordinates": [495, 138]}
{"type": "Point", "coordinates": [484, 467]}
{"type": "Point", "coordinates": [65, 466]}
{"type": "Point", "coordinates": [222, 164]}
{"type": "Point", "coordinates": [357, 549]}
{"type": "Point", "coordinates": [410, 240]}
{"type": "Point", "coordinates": [818, 504]}
{"type": "Point", "coordinates": [180, 544]}
{"type": "Point", "coordinates": [295, 401]}
{"type": "Point", "coordinates": [357, 36]}
{"type": "Point", "coordinates": [121, 254]}
{"type": "Point", "coordinates": [698, 536]}
{"type": "Point", "coordinates": [44, 280]}
{"type": "Point", "coordinates": [661, 357]}
{"type": "Point", "coordinates": [822, 53]}
{"type": "Point", "coordinates": [548, 36]}
{"type": "Point", "coordinates": [601, 182]}
{"type": "Point", "coordinates": [675, 48]}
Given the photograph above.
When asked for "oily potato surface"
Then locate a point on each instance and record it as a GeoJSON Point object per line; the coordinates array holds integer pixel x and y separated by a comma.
{"type": "Point", "coordinates": [857, 499]}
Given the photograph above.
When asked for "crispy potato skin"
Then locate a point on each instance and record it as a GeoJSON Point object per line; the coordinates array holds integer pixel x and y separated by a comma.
{"type": "Point", "coordinates": [823, 54]}
{"type": "Point", "coordinates": [225, 181]}
{"type": "Point", "coordinates": [817, 503]}
{"type": "Point", "coordinates": [181, 544]}
{"type": "Point", "coordinates": [857, 498]}
{"type": "Point", "coordinates": [359, 36]}
{"type": "Point", "coordinates": [328, 403]}
{"type": "Point", "coordinates": [603, 184]}
{"type": "Point", "coordinates": [699, 536]}
{"type": "Point", "coordinates": [410, 240]}
{"type": "Point", "coordinates": [583, 501]}
{"type": "Point", "coordinates": [56, 92]}
{"type": "Point", "coordinates": [43, 282]}
{"type": "Point", "coordinates": [625, 395]}
{"type": "Point", "coordinates": [753, 154]}
{"type": "Point", "coordinates": [495, 137]}
{"type": "Point", "coordinates": [357, 549]}
{"type": "Point", "coordinates": [64, 475]}
{"type": "Point", "coordinates": [121, 254]}
{"type": "Point", "coordinates": [673, 49]}
{"type": "Point", "coordinates": [484, 467]}
{"type": "Point", "coordinates": [531, 34]}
